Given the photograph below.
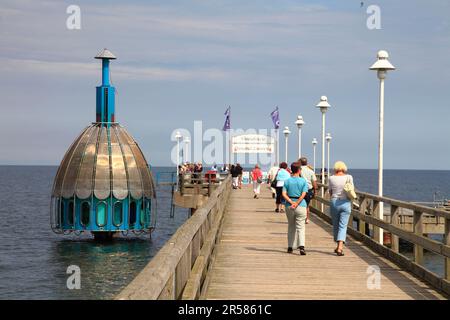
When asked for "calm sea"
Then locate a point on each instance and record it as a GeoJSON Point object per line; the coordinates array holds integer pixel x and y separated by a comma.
{"type": "Point", "coordinates": [34, 261]}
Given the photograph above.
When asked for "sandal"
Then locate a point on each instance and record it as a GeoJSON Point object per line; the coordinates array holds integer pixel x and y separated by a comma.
{"type": "Point", "coordinates": [340, 253]}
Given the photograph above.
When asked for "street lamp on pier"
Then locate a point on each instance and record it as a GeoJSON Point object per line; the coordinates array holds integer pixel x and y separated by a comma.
{"type": "Point", "coordinates": [382, 65]}
{"type": "Point", "coordinates": [299, 122]}
{"type": "Point", "coordinates": [178, 137]}
{"type": "Point", "coordinates": [314, 143]}
{"type": "Point", "coordinates": [286, 132]}
{"type": "Point", "coordinates": [323, 105]}
{"type": "Point", "coordinates": [328, 138]}
{"type": "Point", "coordinates": [186, 153]}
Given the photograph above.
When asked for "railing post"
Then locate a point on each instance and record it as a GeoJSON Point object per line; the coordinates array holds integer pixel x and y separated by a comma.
{"type": "Point", "coordinates": [376, 230]}
{"type": "Point", "coordinates": [418, 229]}
{"type": "Point", "coordinates": [362, 209]}
{"type": "Point", "coordinates": [447, 242]}
{"type": "Point", "coordinates": [350, 219]}
{"type": "Point", "coordinates": [181, 183]}
{"type": "Point", "coordinates": [394, 221]}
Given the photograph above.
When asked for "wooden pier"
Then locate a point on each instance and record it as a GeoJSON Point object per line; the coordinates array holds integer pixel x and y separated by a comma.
{"type": "Point", "coordinates": [234, 247]}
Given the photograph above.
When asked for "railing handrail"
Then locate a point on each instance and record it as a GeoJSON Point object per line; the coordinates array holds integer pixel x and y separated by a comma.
{"type": "Point", "coordinates": [367, 213]}
{"type": "Point", "coordinates": [153, 280]}
{"type": "Point", "coordinates": [400, 203]}
{"type": "Point", "coordinates": [429, 244]}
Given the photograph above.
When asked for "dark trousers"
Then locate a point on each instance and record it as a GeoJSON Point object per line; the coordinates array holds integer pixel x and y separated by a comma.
{"type": "Point", "coordinates": [279, 191]}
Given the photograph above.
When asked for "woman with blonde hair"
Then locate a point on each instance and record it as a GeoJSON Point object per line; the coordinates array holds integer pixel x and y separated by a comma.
{"type": "Point", "coordinates": [341, 205]}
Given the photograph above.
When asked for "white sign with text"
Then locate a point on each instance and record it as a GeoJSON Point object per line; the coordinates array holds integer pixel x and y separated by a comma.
{"type": "Point", "coordinates": [252, 143]}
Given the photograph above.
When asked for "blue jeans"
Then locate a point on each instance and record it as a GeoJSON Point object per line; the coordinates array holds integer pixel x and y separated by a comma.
{"type": "Point", "coordinates": [340, 213]}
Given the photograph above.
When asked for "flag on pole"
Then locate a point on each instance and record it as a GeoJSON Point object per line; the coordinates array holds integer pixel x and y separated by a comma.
{"type": "Point", "coordinates": [276, 118]}
{"type": "Point", "coordinates": [227, 124]}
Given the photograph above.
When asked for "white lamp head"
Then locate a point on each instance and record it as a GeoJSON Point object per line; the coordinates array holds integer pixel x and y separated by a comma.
{"type": "Point", "coordinates": [382, 64]}
{"type": "Point", "coordinates": [187, 140]}
{"type": "Point", "coordinates": [314, 142]}
{"type": "Point", "coordinates": [328, 137]}
{"type": "Point", "coordinates": [323, 104]}
{"type": "Point", "coordinates": [178, 135]}
{"type": "Point", "coordinates": [299, 122]}
{"type": "Point", "coordinates": [286, 131]}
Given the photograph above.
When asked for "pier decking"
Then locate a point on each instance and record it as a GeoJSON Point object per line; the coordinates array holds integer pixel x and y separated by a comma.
{"type": "Point", "coordinates": [234, 247]}
{"type": "Point", "coordinates": [251, 260]}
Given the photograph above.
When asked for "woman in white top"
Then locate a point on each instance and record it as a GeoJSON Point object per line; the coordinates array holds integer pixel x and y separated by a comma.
{"type": "Point", "coordinates": [341, 206]}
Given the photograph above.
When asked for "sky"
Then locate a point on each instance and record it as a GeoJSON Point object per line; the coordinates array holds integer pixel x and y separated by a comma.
{"type": "Point", "coordinates": [182, 61]}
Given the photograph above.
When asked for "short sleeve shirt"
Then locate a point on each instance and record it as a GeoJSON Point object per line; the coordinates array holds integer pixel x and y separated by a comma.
{"type": "Point", "coordinates": [309, 176]}
{"type": "Point", "coordinates": [294, 187]}
{"type": "Point", "coordinates": [336, 186]}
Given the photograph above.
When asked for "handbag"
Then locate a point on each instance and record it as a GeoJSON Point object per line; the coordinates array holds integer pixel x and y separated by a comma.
{"type": "Point", "coordinates": [349, 189]}
{"type": "Point", "coordinates": [274, 182]}
{"type": "Point", "coordinates": [259, 180]}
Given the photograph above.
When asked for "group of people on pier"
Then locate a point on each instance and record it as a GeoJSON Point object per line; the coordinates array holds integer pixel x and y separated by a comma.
{"type": "Point", "coordinates": [293, 187]}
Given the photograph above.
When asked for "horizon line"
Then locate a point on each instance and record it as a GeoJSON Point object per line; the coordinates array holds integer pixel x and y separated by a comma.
{"type": "Point", "coordinates": [245, 166]}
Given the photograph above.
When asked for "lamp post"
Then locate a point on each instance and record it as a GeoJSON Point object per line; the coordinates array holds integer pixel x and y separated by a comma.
{"type": "Point", "coordinates": [328, 138]}
{"type": "Point", "coordinates": [382, 65]}
{"type": "Point", "coordinates": [314, 143]}
{"type": "Point", "coordinates": [178, 136]}
{"type": "Point", "coordinates": [299, 124]}
{"type": "Point", "coordinates": [323, 105]}
{"type": "Point", "coordinates": [186, 153]}
{"type": "Point", "coordinates": [286, 132]}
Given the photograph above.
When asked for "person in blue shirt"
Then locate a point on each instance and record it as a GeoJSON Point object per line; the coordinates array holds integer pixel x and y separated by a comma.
{"type": "Point", "coordinates": [294, 192]}
{"type": "Point", "coordinates": [281, 176]}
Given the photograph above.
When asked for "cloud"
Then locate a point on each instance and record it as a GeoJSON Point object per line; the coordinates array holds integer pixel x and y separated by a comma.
{"type": "Point", "coordinates": [191, 58]}
{"type": "Point", "coordinates": [78, 69]}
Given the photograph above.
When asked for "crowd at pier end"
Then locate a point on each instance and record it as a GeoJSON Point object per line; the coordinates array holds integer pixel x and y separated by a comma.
{"type": "Point", "coordinates": [293, 187]}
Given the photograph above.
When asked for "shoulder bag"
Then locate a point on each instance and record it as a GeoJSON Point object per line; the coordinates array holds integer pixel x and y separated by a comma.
{"type": "Point", "coordinates": [274, 182]}
{"type": "Point", "coordinates": [349, 189]}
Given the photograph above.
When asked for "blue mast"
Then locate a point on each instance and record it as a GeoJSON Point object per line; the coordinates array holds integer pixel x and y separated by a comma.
{"type": "Point", "coordinates": [105, 92]}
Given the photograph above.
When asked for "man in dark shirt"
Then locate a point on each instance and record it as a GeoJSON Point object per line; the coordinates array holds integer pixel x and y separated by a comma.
{"type": "Point", "coordinates": [239, 172]}
{"type": "Point", "coordinates": [234, 176]}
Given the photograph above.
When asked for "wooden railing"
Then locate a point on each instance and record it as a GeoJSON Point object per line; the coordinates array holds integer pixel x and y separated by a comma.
{"type": "Point", "coordinates": [366, 214]}
{"type": "Point", "coordinates": [199, 183]}
{"type": "Point", "coordinates": [178, 270]}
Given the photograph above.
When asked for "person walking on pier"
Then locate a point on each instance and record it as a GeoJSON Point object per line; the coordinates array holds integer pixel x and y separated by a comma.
{"type": "Point", "coordinates": [257, 180]}
{"type": "Point", "coordinates": [341, 205]}
{"type": "Point", "coordinates": [281, 176]}
{"type": "Point", "coordinates": [234, 176]}
{"type": "Point", "coordinates": [272, 176]}
{"type": "Point", "coordinates": [239, 171]}
{"type": "Point", "coordinates": [311, 179]}
{"type": "Point", "coordinates": [294, 192]}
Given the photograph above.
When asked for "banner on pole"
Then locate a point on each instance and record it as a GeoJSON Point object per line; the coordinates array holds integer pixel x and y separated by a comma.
{"type": "Point", "coordinates": [252, 143]}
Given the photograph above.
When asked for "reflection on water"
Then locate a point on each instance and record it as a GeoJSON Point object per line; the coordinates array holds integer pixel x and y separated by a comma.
{"type": "Point", "coordinates": [105, 267]}
{"type": "Point", "coordinates": [34, 260]}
